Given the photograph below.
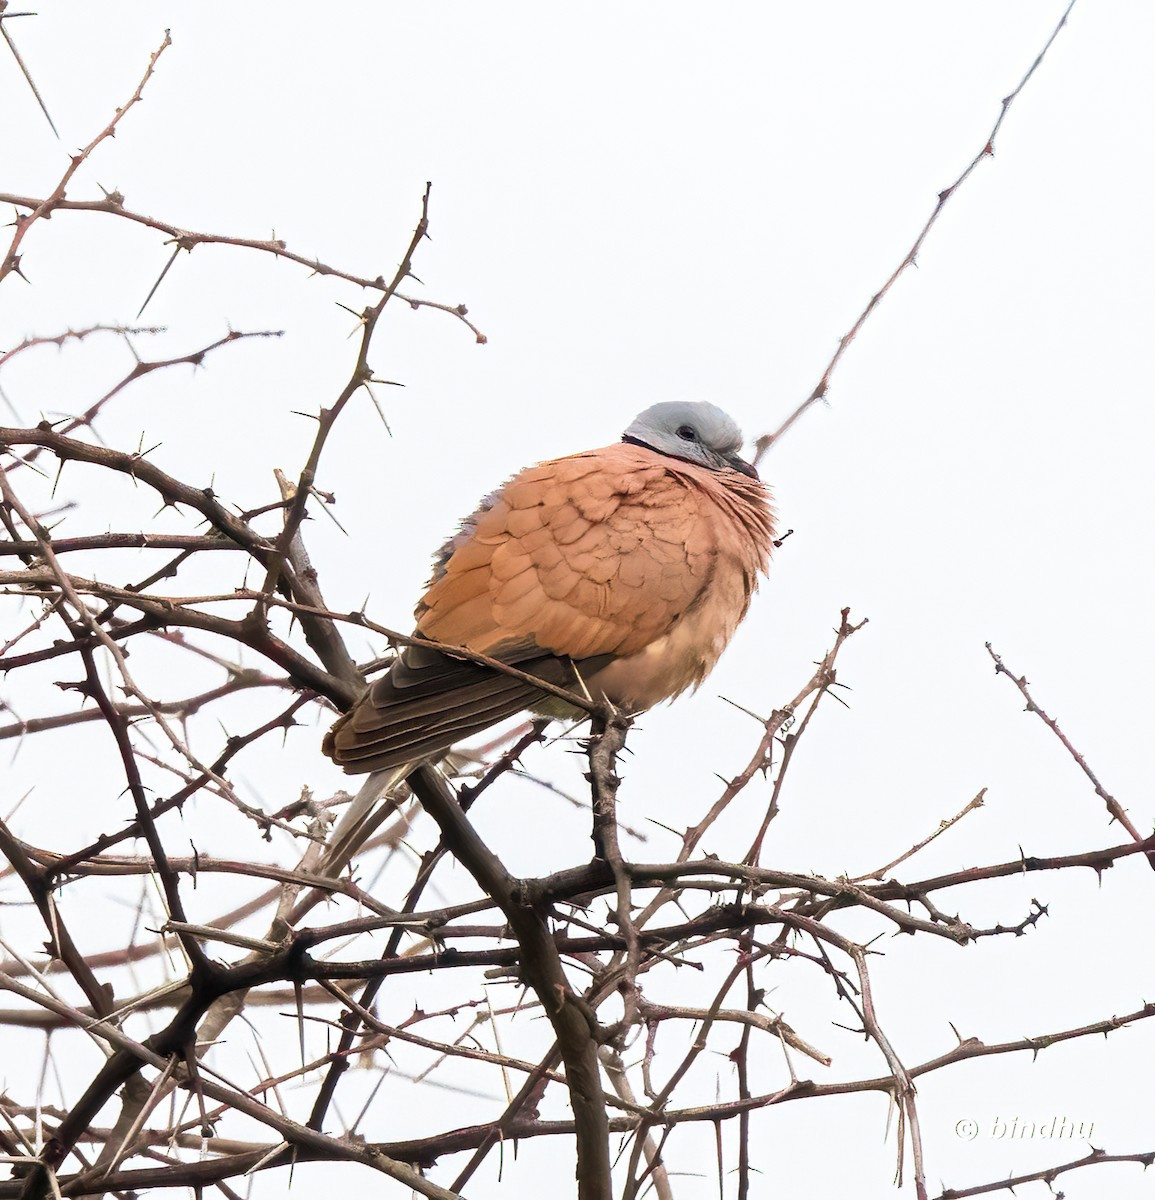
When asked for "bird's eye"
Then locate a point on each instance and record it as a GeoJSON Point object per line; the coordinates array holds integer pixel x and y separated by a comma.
{"type": "Point", "coordinates": [687, 434]}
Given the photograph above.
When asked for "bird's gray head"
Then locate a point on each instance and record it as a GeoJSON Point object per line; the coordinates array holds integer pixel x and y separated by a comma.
{"type": "Point", "coordinates": [693, 430]}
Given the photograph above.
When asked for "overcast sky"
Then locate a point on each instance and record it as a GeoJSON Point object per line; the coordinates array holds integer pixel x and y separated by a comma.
{"type": "Point", "coordinates": [641, 203]}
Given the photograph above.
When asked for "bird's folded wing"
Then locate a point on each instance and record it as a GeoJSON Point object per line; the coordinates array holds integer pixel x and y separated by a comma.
{"type": "Point", "coordinates": [577, 561]}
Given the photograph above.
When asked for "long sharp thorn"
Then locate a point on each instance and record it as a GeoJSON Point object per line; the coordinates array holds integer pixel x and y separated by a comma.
{"type": "Point", "coordinates": [159, 278]}
{"type": "Point", "coordinates": [27, 75]}
{"type": "Point", "coordinates": [297, 996]}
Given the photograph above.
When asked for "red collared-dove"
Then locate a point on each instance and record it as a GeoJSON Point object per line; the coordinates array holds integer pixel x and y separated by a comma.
{"type": "Point", "coordinates": [623, 570]}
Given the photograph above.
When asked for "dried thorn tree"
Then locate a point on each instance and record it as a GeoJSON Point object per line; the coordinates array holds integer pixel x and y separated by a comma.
{"type": "Point", "coordinates": [576, 1008]}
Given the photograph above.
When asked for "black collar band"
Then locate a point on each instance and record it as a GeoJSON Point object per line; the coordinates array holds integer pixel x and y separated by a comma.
{"type": "Point", "coordinates": [733, 464]}
{"type": "Point", "coordinates": [633, 441]}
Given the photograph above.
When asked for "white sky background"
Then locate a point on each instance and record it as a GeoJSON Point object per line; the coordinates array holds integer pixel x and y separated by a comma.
{"type": "Point", "coordinates": [644, 204]}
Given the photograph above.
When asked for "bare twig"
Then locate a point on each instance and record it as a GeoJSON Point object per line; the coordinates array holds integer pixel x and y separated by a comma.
{"type": "Point", "coordinates": [988, 148]}
{"type": "Point", "coordinates": [1118, 813]}
{"type": "Point", "coordinates": [45, 208]}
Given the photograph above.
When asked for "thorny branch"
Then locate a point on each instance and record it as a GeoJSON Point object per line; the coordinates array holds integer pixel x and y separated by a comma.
{"type": "Point", "coordinates": [821, 388]}
{"type": "Point", "coordinates": [1116, 810]}
{"type": "Point", "coordinates": [43, 209]}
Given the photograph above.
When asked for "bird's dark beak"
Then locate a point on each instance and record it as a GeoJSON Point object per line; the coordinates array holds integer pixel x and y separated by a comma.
{"type": "Point", "coordinates": [740, 464]}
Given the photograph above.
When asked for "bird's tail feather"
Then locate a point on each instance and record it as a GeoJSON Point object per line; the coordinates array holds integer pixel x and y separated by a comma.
{"type": "Point", "coordinates": [361, 820]}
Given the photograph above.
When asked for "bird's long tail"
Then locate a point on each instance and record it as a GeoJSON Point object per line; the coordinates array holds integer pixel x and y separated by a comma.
{"type": "Point", "coordinates": [361, 819]}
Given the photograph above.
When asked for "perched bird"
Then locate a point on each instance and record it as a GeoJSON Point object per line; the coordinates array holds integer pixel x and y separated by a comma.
{"type": "Point", "coordinates": [621, 571]}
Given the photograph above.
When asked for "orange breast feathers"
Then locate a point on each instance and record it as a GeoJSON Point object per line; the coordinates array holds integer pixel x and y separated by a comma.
{"type": "Point", "coordinates": [619, 552]}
